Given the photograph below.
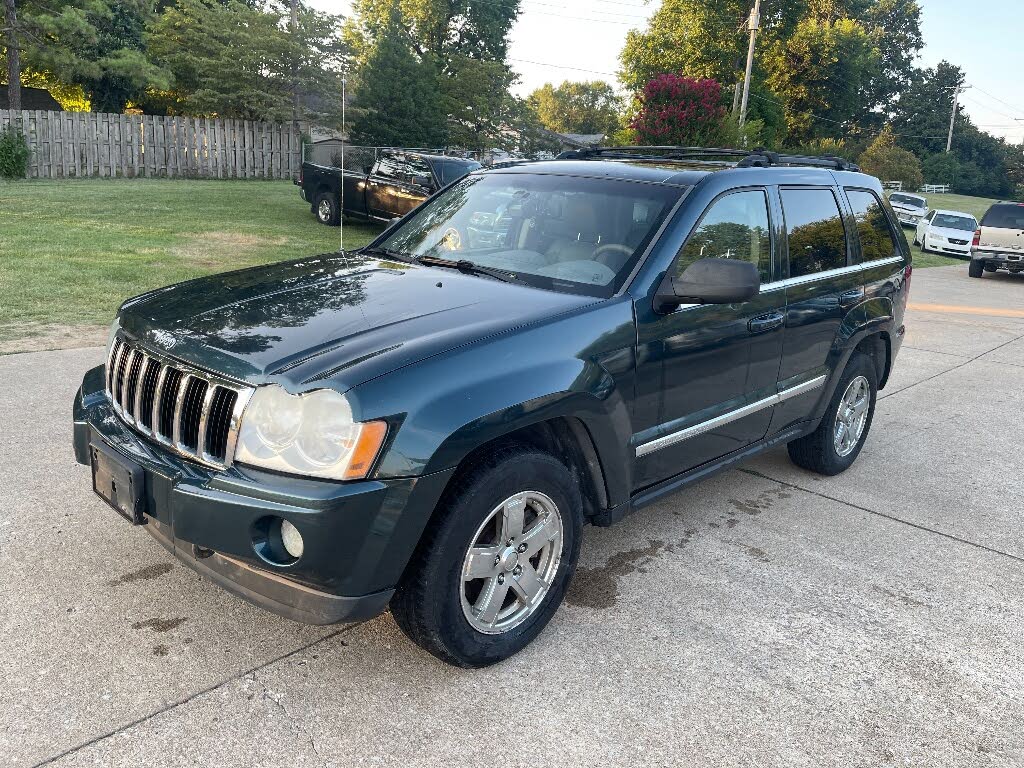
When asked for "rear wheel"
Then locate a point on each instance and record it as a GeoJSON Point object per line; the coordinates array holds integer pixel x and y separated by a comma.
{"type": "Point", "coordinates": [838, 440]}
{"type": "Point", "coordinates": [976, 268]}
{"type": "Point", "coordinates": [496, 560]}
{"type": "Point", "coordinates": [325, 208]}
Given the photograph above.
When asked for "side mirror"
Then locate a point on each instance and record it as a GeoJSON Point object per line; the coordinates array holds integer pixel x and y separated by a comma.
{"type": "Point", "coordinates": [422, 181]}
{"type": "Point", "coordinates": [709, 281]}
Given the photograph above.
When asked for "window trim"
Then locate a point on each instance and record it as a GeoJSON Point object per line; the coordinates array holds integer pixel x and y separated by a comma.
{"type": "Point", "coordinates": [772, 247]}
{"type": "Point", "coordinates": [844, 214]}
{"type": "Point", "coordinates": [893, 234]}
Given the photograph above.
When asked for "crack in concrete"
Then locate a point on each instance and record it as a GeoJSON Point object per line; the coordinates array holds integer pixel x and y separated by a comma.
{"type": "Point", "coordinates": [180, 702]}
{"type": "Point", "coordinates": [885, 515]}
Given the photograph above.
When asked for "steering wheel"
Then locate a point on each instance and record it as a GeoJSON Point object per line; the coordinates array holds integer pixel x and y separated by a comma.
{"type": "Point", "coordinates": [451, 240]}
{"type": "Point", "coordinates": [603, 252]}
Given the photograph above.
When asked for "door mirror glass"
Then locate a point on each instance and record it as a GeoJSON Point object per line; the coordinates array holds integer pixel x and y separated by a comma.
{"type": "Point", "coordinates": [422, 181]}
{"type": "Point", "coordinates": [710, 281]}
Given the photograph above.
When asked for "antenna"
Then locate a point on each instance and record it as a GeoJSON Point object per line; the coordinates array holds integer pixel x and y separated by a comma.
{"type": "Point", "coordinates": [341, 184]}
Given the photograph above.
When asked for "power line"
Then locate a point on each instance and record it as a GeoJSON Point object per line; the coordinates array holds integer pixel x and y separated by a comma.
{"type": "Point", "coordinates": [991, 96]}
{"type": "Point", "coordinates": [561, 66]}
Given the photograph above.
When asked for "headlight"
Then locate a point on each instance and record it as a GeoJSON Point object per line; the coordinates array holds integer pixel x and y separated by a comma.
{"type": "Point", "coordinates": [310, 434]}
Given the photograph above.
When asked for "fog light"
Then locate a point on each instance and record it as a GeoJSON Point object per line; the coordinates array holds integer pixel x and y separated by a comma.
{"type": "Point", "coordinates": [292, 539]}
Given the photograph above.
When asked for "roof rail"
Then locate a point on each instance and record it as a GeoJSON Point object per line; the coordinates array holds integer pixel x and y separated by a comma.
{"type": "Point", "coordinates": [745, 158]}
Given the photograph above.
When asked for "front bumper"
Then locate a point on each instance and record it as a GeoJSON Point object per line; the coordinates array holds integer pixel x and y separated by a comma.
{"type": "Point", "coordinates": [908, 220]}
{"type": "Point", "coordinates": [358, 536]}
{"type": "Point", "coordinates": [944, 246]}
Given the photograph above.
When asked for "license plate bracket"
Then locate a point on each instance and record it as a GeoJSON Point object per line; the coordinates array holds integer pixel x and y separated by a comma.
{"type": "Point", "coordinates": [118, 481]}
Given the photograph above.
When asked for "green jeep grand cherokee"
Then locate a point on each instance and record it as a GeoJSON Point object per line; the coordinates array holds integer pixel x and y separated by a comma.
{"type": "Point", "coordinates": [428, 423]}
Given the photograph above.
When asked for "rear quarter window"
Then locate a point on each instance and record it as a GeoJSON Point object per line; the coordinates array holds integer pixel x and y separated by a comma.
{"type": "Point", "coordinates": [1004, 216]}
{"type": "Point", "coordinates": [873, 231]}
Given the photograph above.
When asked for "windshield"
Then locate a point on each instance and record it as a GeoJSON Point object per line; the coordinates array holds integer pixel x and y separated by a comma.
{"type": "Point", "coordinates": [565, 233]}
{"type": "Point", "coordinates": [908, 200]}
{"type": "Point", "coordinates": [948, 220]}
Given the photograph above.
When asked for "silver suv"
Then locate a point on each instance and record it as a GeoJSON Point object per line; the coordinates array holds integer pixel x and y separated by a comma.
{"type": "Point", "coordinates": [999, 240]}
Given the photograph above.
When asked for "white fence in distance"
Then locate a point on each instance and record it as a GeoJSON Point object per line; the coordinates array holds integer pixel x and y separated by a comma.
{"type": "Point", "coordinates": [934, 188]}
{"type": "Point", "coordinates": [87, 144]}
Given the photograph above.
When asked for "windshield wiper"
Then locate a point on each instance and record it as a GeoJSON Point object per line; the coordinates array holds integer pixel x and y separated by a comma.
{"type": "Point", "coordinates": [390, 254]}
{"type": "Point", "coordinates": [463, 265]}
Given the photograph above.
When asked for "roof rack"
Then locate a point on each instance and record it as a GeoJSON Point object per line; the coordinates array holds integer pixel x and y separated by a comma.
{"type": "Point", "coordinates": [744, 158]}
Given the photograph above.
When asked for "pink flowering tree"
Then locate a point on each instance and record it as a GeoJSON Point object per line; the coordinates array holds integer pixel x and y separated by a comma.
{"type": "Point", "coordinates": [675, 109]}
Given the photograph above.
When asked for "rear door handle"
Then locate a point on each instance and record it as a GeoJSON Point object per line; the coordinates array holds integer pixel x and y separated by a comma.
{"type": "Point", "coordinates": [849, 298]}
{"type": "Point", "coordinates": [767, 322]}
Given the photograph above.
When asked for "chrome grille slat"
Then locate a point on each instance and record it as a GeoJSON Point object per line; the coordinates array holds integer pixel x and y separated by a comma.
{"type": "Point", "coordinates": [140, 382]}
{"type": "Point", "coordinates": [191, 412]}
{"type": "Point", "coordinates": [129, 382]}
{"type": "Point", "coordinates": [179, 403]}
{"type": "Point", "coordinates": [204, 420]}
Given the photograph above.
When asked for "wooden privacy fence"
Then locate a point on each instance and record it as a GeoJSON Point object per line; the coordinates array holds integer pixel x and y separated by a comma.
{"type": "Point", "coordinates": [66, 144]}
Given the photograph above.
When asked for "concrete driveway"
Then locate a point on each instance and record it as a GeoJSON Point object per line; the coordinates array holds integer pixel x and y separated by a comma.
{"type": "Point", "coordinates": [767, 617]}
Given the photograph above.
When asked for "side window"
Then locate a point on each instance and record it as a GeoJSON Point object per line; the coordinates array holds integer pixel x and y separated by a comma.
{"type": "Point", "coordinates": [401, 167]}
{"type": "Point", "coordinates": [734, 227]}
{"type": "Point", "coordinates": [873, 229]}
{"type": "Point", "coordinates": [817, 237]}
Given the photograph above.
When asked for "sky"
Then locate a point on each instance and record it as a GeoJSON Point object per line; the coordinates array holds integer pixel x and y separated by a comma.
{"type": "Point", "coordinates": [556, 40]}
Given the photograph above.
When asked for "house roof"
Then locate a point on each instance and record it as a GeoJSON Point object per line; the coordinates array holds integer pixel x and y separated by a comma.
{"type": "Point", "coordinates": [32, 98]}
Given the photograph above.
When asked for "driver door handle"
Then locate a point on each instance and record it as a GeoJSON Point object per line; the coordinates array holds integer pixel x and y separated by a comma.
{"type": "Point", "coordinates": [764, 323]}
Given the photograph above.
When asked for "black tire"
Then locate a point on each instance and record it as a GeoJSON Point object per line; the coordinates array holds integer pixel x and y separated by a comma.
{"type": "Point", "coordinates": [325, 208]}
{"type": "Point", "coordinates": [817, 451]}
{"type": "Point", "coordinates": [976, 268]}
{"type": "Point", "coordinates": [428, 603]}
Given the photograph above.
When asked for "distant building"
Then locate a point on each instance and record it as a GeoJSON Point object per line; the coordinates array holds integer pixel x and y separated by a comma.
{"type": "Point", "coordinates": [32, 98]}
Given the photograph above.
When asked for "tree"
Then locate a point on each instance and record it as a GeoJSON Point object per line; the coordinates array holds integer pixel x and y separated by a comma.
{"type": "Point", "coordinates": [465, 43]}
{"type": "Point", "coordinates": [234, 60]}
{"type": "Point", "coordinates": [98, 44]}
{"type": "Point", "coordinates": [590, 107]}
{"type": "Point", "coordinates": [674, 109]}
{"type": "Point", "coordinates": [820, 74]}
{"type": "Point", "coordinates": [398, 98]}
{"type": "Point", "coordinates": [13, 55]}
{"type": "Point", "coordinates": [891, 163]}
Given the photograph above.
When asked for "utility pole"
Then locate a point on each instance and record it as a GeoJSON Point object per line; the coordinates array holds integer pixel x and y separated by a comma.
{"type": "Point", "coordinates": [755, 22]}
{"type": "Point", "coordinates": [13, 58]}
{"type": "Point", "coordinates": [952, 115]}
{"type": "Point", "coordinates": [295, 65]}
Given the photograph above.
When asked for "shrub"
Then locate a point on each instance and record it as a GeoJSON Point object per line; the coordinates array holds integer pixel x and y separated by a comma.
{"type": "Point", "coordinates": [674, 109]}
{"type": "Point", "coordinates": [891, 163]}
{"type": "Point", "coordinates": [14, 153]}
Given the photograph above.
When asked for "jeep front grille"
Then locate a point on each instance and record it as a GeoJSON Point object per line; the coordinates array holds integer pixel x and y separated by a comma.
{"type": "Point", "coordinates": [194, 413]}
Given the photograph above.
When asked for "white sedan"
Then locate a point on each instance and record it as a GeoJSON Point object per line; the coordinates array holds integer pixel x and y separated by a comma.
{"type": "Point", "coordinates": [946, 232]}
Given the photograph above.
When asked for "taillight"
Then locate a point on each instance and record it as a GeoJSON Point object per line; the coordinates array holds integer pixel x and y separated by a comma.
{"type": "Point", "coordinates": [977, 237]}
{"type": "Point", "coordinates": [907, 271]}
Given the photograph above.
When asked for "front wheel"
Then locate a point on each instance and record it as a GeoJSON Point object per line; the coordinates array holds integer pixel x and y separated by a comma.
{"type": "Point", "coordinates": [976, 268]}
{"type": "Point", "coordinates": [836, 443]}
{"type": "Point", "coordinates": [495, 561]}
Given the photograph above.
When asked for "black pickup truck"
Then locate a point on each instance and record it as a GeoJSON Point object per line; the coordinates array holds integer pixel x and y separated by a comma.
{"type": "Point", "coordinates": [395, 184]}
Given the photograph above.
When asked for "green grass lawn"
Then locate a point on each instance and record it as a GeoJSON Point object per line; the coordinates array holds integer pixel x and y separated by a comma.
{"type": "Point", "coordinates": [72, 250]}
{"type": "Point", "coordinates": [976, 206]}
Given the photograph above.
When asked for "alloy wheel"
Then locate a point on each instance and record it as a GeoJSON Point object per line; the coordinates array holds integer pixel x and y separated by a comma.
{"type": "Point", "coordinates": [852, 416]}
{"type": "Point", "coordinates": [511, 562]}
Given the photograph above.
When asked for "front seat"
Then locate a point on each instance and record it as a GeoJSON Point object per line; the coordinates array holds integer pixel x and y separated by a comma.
{"type": "Point", "coordinates": [576, 235]}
